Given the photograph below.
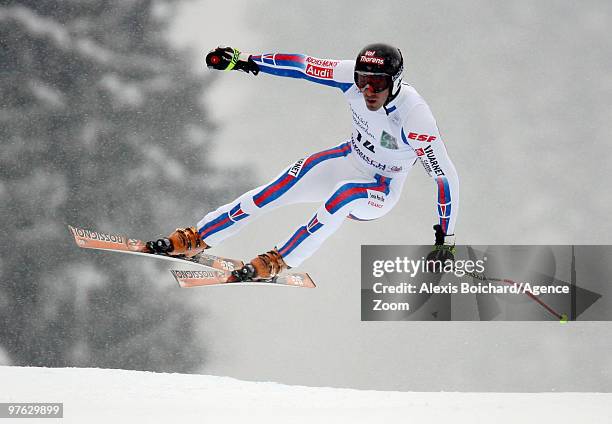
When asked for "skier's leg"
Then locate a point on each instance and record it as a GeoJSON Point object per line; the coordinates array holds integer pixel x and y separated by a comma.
{"type": "Point", "coordinates": [363, 199]}
{"type": "Point", "coordinates": [307, 180]}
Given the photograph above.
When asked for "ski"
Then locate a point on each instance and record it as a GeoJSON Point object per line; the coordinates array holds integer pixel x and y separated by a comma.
{"type": "Point", "coordinates": [217, 270]}
{"type": "Point", "coordinates": [88, 239]}
{"type": "Point", "coordinates": [188, 279]}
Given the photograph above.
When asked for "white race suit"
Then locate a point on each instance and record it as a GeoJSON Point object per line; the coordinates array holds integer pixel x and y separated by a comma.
{"type": "Point", "coordinates": [361, 178]}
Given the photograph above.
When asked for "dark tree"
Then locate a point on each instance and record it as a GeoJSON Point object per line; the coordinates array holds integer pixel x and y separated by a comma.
{"type": "Point", "coordinates": [101, 125]}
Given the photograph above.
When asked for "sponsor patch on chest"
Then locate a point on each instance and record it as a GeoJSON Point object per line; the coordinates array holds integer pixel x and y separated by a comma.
{"type": "Point", "coordinates": [421, 137]}
{"type": "Point", "coordinates": [388, 141]}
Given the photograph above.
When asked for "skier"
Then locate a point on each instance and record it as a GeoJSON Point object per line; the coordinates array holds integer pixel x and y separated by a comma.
{"type": "Point", "coordinates": [360, 179]}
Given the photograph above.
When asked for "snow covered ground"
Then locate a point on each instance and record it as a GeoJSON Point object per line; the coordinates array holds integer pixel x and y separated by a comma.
{"type": "Point", "coordinates": [103, 396]}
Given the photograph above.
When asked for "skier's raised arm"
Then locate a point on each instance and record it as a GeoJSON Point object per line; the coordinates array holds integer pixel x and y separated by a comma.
{"type": "Point", "coordinates": [331, 72]}
{"type": "Point", "coordinates": [421, 132]}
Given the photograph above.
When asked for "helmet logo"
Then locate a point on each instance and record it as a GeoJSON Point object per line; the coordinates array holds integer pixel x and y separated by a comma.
{"type": "Point", "coordinates": [398, 73]}
{"type": "Point", "coordinates": [369, 57]}
{"type": "Point", "coordinates": [380, 60]}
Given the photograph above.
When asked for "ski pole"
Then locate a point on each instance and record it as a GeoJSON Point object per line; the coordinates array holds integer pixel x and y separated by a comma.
{"type": "Point", "coordinates": [561, 317]}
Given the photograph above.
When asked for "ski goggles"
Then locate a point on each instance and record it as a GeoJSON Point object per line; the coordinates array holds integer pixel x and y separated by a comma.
{"type": "Point", "coordinates": [376, 82]}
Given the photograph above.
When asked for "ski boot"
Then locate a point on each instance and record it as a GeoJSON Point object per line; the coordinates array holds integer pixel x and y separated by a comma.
{"type": "Point", "coordinates": [183, 241]}
{"type": "Point", "coordinates": [264, 267]}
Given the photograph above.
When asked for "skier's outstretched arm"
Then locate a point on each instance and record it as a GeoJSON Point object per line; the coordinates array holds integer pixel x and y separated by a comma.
{"type": "Point", "coordinates": [331, 72]}
{"type": "Point", "coordinates": [421, 132]}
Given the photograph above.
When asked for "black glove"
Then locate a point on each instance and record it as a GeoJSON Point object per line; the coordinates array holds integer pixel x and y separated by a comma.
{"type": "Point", "coordinates": [228, 58]}
{"type": "Point", "coordinates": [444, 247]}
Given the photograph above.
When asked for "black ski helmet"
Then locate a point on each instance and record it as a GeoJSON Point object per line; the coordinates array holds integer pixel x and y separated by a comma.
{"type": "Point", "coordinates": [382, 59]}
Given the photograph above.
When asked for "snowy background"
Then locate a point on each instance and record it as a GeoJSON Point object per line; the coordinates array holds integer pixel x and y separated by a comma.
{"type": "Point", "coordinates": [106, 125]}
